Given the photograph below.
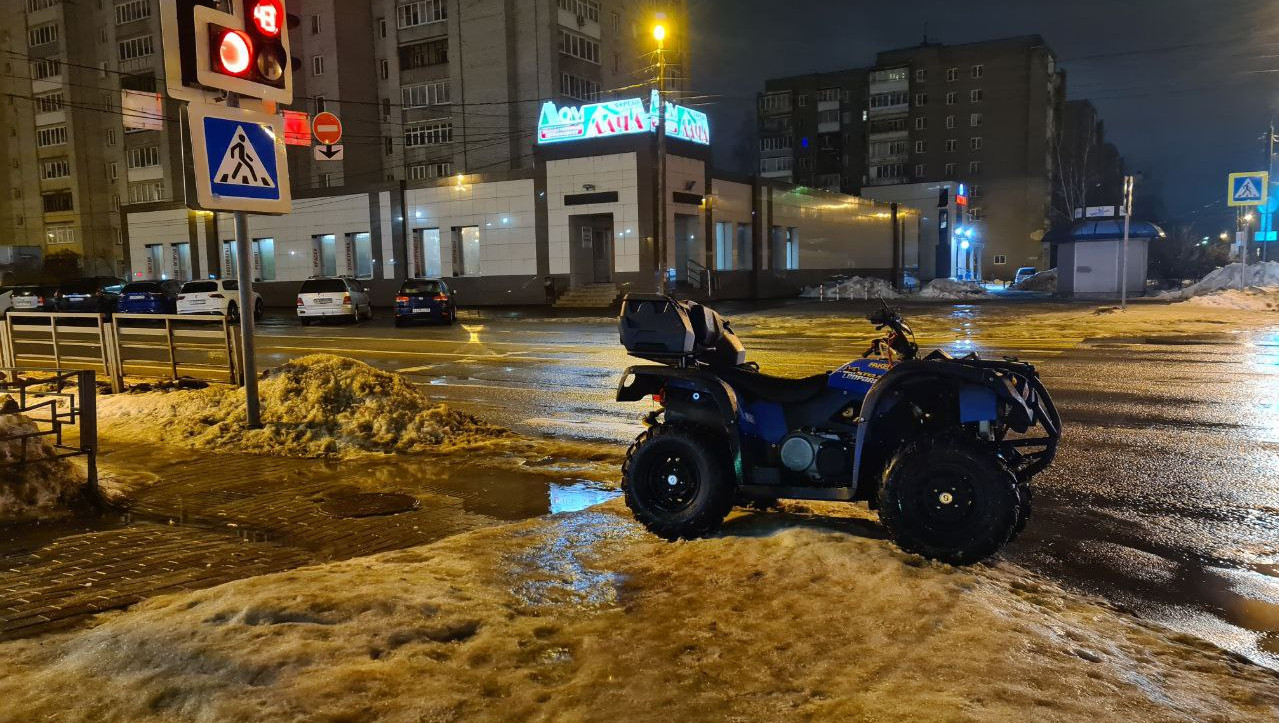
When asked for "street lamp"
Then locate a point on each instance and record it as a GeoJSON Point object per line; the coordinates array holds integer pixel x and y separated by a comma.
{"type": "Point", "coordinates": [659, 246]}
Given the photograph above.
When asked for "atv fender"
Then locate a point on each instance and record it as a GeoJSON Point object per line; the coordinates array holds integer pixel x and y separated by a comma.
{"type": "Point", "coordinates": [980, 391]}
{"type": "Point", "coordinates": [642, 381]}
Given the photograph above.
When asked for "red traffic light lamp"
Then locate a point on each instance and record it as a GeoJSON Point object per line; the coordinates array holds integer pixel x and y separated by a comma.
{"type": "Point", "coordinates": [235, 52]}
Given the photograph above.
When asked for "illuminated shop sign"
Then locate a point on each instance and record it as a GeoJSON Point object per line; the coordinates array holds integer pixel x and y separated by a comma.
{"type": "Point", "coordinates": [619, 118]}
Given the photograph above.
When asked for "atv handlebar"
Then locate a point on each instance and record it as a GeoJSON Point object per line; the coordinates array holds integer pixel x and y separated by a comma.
{"type": "Point", "coordinates": [899, 341]}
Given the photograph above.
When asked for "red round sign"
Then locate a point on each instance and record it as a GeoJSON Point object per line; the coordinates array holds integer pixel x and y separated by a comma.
{"type": "Point", "coordinates": [327, 128]}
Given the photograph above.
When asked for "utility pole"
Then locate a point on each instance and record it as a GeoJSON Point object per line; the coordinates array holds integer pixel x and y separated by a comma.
{"type": "Point", "coordinates": [659, 33]}
{"type": "Point", "coordinates": [244, 274]}
{"type": "Point", "coordinates": [1129, 182]}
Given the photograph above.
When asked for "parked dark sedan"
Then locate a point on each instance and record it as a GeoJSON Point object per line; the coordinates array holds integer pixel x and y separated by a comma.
{"type": "Point", "coordinates": [149, 297]}
{"type": "Point", "coordinates": [34, 298]}
{"type": "Point", "coordinates": [94, 295]}
{"type": "Point", "coordinates": [424, 300]}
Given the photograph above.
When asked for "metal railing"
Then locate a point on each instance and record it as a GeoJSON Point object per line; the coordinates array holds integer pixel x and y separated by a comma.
{"type": "Point", "coordinates": [41, 395]}
{"type": "Point", "coordinates": [155, 345]}
{"type": "Point", "coordinates": [150, 343]}
{"type": "Point", "coordinates": [61, 340]}
{"type": "Point", "coordinates": [695, 274]}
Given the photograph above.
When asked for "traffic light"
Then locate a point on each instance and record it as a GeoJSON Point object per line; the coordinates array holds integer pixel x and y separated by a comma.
{"type": "Point", "coordinates": [245, 51]}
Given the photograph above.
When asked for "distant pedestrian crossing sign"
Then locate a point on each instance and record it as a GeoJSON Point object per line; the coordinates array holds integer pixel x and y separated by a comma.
{"type": "Point", "coordinates": [239, 160]}
{"type": "Point", "coordinates": [1249, 189]}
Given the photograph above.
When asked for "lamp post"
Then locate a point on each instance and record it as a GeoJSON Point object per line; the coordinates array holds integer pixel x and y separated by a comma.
{"type": "Point", "coordinates": [659, 34]}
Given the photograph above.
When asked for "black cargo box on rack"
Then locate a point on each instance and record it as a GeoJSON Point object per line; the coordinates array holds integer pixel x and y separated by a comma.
{"type": "Point", "coordinates": [666, 330]}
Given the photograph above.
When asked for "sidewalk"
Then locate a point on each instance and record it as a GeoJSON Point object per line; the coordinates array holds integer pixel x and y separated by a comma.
{"type": "Point", "coordinates": [219, 518]}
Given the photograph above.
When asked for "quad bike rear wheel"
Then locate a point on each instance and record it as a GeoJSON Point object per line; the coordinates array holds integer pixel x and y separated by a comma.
{"type": "Point", "coordinates": [950, 501]}
{"type": "Point", "coordinates": [677, 482]}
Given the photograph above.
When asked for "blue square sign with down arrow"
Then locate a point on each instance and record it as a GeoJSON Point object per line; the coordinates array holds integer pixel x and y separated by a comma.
{"type": "Point", "coordinates": [239, 160]}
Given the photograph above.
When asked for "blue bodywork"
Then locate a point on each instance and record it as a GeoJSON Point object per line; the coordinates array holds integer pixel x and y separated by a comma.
{"type": "Point", "coordinates": [859, 376]}
{"type": "Point", "coordinates": [147, 303]}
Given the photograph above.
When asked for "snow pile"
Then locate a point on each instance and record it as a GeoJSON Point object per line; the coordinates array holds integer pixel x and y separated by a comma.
{"type": "Point", "coordinates": [1228, 277]}
{"type": "Point", "coordinates": [852, 287]}
{"type": "Point", "coordinates": [1254, 299]}
{"type": "Point", "coordinates": [584, 617]}
{"type": "Point", "coordinates": [44, 488]}
{"type": "Point", "coordinates": [952, 290]}
{"type": "Point", "coordinates": [315, 406]}
{"type": "Point", "coordinates": [1042, 281]}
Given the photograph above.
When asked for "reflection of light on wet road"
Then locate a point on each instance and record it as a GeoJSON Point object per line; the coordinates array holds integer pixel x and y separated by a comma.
{"type": "Point", "coordinates": [1264, 361]}
{"type": "Point", "coordinates": [579, 496]}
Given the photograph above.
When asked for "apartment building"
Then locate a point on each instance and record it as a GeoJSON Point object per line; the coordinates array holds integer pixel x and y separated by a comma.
{"type": "Point", "coordinates": [425, 88]}
{"type": "Point", "coordinates": [812, 130]}
{"type": "Point", "coordinates": [984, 115]}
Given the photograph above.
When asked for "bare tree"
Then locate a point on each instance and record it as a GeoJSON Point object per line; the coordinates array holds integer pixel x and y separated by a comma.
{"type": "Point", "coordinates": [1075, 169]}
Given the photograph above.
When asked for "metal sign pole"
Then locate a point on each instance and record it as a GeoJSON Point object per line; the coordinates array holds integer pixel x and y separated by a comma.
{"type": "Point", "coordinates": [244, 275]}
{"type": "Point", "coordinates": [244, 270]}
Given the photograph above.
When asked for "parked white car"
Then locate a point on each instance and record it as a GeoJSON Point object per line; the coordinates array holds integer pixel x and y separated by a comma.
{"type": "Point", "coordinates": [1024, 273]}
{"type": "Point", "coordinates": [339, 298]}
{"type": "Point", "coordinates": [215, 296]}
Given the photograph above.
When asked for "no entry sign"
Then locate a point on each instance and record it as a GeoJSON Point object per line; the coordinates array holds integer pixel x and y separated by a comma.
{"type": "Point", "coordinates": [327, 128]}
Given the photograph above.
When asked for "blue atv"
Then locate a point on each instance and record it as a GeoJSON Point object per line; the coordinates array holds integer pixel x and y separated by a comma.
{"type": "Point", "coordinates": [945, 448]}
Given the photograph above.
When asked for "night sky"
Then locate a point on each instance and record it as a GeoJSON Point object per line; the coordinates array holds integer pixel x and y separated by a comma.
{"type": "Point", "coordinates": [1186, 88]}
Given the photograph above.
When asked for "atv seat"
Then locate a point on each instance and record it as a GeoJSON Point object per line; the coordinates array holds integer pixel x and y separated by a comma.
{"type": "Point", "coordinates": [773, 389]}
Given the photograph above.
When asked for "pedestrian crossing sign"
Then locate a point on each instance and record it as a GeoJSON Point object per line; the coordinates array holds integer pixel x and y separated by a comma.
{"type": "Point", "coordinates": [239, 160]}
{"type": "Point", "coordinates": [1249, 189]}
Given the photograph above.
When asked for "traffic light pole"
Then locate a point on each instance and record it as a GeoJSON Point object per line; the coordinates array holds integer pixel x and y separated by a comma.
{"type": "Point", "coordinates": [244, 273]}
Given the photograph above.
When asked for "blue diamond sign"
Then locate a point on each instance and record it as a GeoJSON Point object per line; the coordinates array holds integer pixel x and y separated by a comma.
{"type": "Point", "coordinates": [1249, 189]}
{"type": "Point", "coordinates": [239, 160]}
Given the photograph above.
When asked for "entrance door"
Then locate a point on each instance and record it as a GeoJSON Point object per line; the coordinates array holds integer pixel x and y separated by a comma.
{"type": "Point", "coordinates": [601, 252]}
{"type": "Point", "coordinates": [688, 247]}
{"type": "Point", "coordinates": [591, 248]}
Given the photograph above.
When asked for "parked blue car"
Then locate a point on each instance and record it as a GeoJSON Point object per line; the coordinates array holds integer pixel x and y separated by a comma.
{"type": "Point", "coordinates": [150, 297]}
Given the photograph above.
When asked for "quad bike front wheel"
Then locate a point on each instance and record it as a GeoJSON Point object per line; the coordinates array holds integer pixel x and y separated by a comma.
{"type": "Point", "coordinates": [949, 500]}
{"type": "Point", "coordinates": [677, 482]}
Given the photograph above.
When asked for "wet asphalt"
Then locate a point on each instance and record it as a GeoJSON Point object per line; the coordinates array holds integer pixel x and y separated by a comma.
{"type": "Point", "coordinates": [1164, 498]}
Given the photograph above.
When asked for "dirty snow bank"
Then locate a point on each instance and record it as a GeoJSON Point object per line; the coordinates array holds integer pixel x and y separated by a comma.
{"type": "Point", "coordinates": [44, 488]}
{"type": "Point", "coordinates": [1042, 281]}
{"type": "Point", "coordinates": [851, 287]}
{"type": "Point", "coordinates": [862, 287]}
{"type": "Point", "coordinates": [1228, 277]}
{"type": "Point", "coordinates": [952, 290]}
{"type": "Point", "coordinates": [1253, 299]}
{"type": "Point", "coordinates": [583, 617]}
{"type": "Point", "coordinates": [319, 405]}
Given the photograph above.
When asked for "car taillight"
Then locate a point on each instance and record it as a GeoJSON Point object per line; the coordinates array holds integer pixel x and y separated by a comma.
{"type": "Point", "coordinates": [40, 301]}
{"type": "Point", "coordinates": [441, 297]}
{"type": "Point", "coordinates": [216, 296]}
{"type": "Point", "coordinates": [300, 301]}
{"type": "Point", "coordinates": [346, 300]}
{"type": "Point", "coordinates": [660, 396]}
{"type": "Point", "coordinates": [401, 299]}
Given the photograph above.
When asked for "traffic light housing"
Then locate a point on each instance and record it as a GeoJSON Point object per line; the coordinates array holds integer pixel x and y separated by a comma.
{"type": "Point", "coordinates": [245, 51]}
